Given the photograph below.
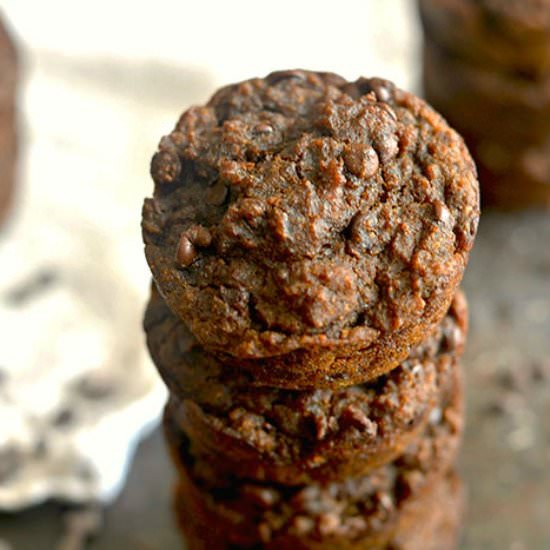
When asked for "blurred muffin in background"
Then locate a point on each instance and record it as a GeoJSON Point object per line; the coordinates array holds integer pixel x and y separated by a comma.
{"type": "Point", "coordinates": [487, 70]}
{"type": "Point", "coordinates": [8, 145]}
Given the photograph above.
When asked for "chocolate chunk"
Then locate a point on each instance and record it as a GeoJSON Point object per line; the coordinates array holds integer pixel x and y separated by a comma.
{"type": "Point", "coordinates": [186, 252]}
{"type": "Point", "coordinates": [361, 160]}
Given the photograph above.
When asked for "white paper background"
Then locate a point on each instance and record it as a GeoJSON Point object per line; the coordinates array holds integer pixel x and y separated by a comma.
{"type": "Point", "coordinates": [103, 81]}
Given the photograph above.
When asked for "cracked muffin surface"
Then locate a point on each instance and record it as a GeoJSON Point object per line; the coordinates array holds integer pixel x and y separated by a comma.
{"type": "Point", "coordinates": [302, 211]}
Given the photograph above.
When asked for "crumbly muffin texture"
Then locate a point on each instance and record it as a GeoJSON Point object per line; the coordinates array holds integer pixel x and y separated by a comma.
{"type": "Point", "coordinates": [305, 211]}
{"type": "Point", "coordinates": [364, 509]}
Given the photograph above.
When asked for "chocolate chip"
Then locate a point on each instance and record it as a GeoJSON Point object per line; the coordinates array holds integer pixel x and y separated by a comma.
{"type": "Point", "coordinates": [193, 237]}
{"type": "Point", "coordinates": [263, 128]}
{"type": "Point", "coordinates": [387, 146]}
{"type": "Point", "coordinates": [361, 159]}
{"type": "Point", "coordinates": [217, 194]}
{"type": "Point", "coordinates": [280, 76]}
{"type": "Point", "coordinates": [381, 88]}
{"type": "Point", "coordinates": [186, 252]}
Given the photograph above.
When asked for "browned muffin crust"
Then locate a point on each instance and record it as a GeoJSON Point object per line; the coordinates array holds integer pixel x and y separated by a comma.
{"type": "Point", "coordinates": [302, 213]}
{"type": "Point", "coordinates": [353, 513]}
{"type": "Point", "coordinates": [511, 35]}
{"type": "Point", "coordinates": [294, 437]}
{"type": "Point", "coordinates": [8, 142]}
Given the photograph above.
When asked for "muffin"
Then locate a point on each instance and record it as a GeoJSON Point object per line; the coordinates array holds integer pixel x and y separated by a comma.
{"type": "Point", "coordinates": [361, 512]}
{"type": "Point", "coordinates": [487, 70]}
{"type": "Point", "coordinates": [512, 36]}
{"type": "Point", "coordinates": [314, 226]}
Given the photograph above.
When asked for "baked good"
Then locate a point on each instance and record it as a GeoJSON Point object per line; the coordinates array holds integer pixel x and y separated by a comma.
{"type": "Point", "coordinates": [429, 522]}
{"type": "Point", "coordinates": [362, 512]}
{"type": "Point", "coordinates": [295, 437]}
{"type": "Point", "coordinates": [511, 178]}
{"type": "Point", "coordinates": [505, 122]}
{"type": "Point", "coordinates": [8, 145]}
{"type": "Point", "coordinates": [320, 225]}
{"type": "Point", "coordinates": [487, 102]}
{"type": "Point", "coordinates": [511, 35]}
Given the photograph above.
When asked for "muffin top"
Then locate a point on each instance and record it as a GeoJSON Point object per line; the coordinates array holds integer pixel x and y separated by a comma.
{"type": "Point", "coordinates": [301, 210]}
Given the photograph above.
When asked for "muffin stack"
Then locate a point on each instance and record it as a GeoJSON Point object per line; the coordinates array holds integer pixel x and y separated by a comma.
{"type": "Point", "coordinates": [307, 237]}
{"type": "Point", "coordinates": [487, 70]}
{"type": "Point", "coordinates": [8, 77]}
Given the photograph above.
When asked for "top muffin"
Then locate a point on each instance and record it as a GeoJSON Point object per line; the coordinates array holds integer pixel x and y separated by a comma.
{"type": "Point", "coordinates": [302, 211]}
